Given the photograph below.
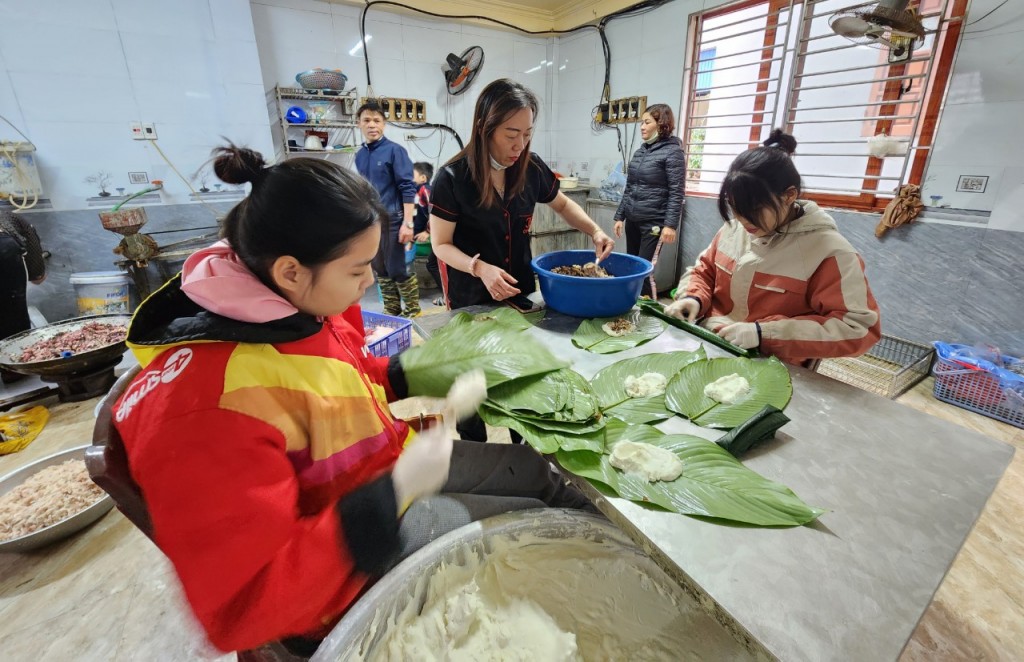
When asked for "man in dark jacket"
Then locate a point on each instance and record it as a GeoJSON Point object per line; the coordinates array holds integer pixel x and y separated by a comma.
{"type": "Point", "coordinates": [652, 205]}
{"type": "Point", "coordinates": [21, 260]}
{"type": "Point", "coordinates": [387, 166]}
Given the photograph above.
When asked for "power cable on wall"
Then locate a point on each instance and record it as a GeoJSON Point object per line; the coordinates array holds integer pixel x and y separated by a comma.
{"type": "Point", "coordinates": [633, 10]}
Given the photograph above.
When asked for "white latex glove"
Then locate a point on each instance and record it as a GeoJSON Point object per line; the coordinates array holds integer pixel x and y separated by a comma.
{"type": "Point", "coordinates": [742, 334]}
{"type": "Point", "coordinates": [422, 468]}
{"type": "Point", "coordinates": [686, 309]}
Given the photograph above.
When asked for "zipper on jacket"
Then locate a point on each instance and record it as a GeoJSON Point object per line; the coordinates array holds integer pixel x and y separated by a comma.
{"type": "Point", "coordinates": [355, 363]}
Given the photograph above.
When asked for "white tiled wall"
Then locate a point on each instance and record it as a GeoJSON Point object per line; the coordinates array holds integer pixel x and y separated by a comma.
{"type": "Point", "coordinates": [75, 73]}
{"type": "Point", "coordinates": [980, 129]}
{"type": "Point", "coordinates": [406, 53]}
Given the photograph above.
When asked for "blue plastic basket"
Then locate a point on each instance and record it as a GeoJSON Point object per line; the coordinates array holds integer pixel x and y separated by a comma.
{"type": "Point", "coordinates": [397, 341]}
{"type": "Point", "coordinates": [591, 297]}
{"type": "Point", "coordinates": [978, 385]}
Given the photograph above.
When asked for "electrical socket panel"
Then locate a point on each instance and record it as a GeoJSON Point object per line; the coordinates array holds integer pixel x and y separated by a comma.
{"type": "Point", "coordinates": [143, 131]}
{"type": "Point", "coordinates": [410, 111]}
{"type": "Point", "coordinates": [626, 110]}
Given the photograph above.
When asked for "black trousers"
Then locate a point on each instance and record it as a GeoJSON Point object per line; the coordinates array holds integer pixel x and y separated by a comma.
{"type": "Point", "coordinates": [641, 241]}
{"type": "Point", "coordinates": [390, 260]}
{"type": "Point", "coordinates": [13, 281]}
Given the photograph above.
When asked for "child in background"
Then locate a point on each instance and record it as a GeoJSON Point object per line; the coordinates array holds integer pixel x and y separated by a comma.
{"type": "Point", "coordinates": [778, 276]}
{"type": "Point", "coordinates": [422, 173]}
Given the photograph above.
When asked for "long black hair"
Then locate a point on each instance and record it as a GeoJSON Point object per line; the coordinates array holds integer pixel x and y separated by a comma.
{"type": "Point", "coordinates": [758, 178]}
{"type": "Point", "coordinates": [306, 208]}
{"type": "Point", "coordinates": [497, 102]}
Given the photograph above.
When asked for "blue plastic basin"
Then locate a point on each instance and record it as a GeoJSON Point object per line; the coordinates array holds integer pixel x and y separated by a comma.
{"type": "Point", "coordinates": [591, 297]}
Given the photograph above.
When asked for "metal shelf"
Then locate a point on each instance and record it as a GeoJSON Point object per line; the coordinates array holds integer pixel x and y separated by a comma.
{"type": "Point", "coordinates": [324, 125]}
{"type": "Point", "coordinates": [314, 95]}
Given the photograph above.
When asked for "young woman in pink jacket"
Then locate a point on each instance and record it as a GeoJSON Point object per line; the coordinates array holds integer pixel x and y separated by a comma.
{"type": "Point", "coordinates": [778, 276]}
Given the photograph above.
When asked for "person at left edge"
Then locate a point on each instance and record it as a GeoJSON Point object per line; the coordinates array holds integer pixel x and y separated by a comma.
{"type": "Point", "coordinates": [484, 200]}
{"type": "Point", "coordinates": [387, 166]}
{"type": "Point", "coordinates": [21, 261]}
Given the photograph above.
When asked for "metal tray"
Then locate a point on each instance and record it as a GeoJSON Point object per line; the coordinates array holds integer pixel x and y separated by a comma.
{"type": "Point", "coordinates": [65, 527]}
{"type": "Point", "coordinates": [86, 361]}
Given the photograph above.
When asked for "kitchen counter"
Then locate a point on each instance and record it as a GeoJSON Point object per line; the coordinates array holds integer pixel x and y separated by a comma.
{"type": "Point", "coordinates": [902, 491]}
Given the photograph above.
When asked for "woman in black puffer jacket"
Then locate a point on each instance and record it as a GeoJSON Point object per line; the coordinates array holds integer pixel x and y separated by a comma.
{"type": "Point", "coordinates": [652, 204]}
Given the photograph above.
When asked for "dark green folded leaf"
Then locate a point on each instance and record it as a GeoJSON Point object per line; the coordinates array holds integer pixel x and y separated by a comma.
{"type": "Point", "coordinates": [761, 427]}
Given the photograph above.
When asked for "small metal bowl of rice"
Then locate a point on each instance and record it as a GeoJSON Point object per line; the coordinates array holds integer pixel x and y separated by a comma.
{"type": "Point", "coordinates": [49, 500]}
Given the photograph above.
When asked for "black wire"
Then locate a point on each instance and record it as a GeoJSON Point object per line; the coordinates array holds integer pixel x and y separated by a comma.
{"type": "Point", "coordinates": [633, 10]}
{"type": "Point", "coordinates": [427, 125]}
{"type": "Point", "coordinates": [990, 12]}
{"type": "Point", "coordinates": [366, 9]}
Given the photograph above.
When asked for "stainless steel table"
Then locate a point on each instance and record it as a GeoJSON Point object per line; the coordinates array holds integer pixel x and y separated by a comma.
{"type": "Point", "coordinates": [902, 490]}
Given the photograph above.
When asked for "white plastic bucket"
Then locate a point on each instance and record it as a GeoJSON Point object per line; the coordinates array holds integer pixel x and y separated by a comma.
{"type": "Point", "coordinates": [101, 292]}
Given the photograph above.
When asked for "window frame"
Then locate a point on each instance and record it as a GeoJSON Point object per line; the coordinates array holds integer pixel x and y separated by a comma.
{"type": "Point", "coordinates": [924, 127]}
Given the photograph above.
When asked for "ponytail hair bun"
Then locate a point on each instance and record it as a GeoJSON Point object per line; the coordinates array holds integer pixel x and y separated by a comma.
{"type": "Point", "coordinates": [781, 140]}
{"type": "Point", "coordinates": [238, 165]}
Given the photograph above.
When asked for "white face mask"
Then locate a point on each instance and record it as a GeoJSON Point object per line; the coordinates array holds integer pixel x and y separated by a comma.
{"type": "Point", "coordinates": [496, 165]}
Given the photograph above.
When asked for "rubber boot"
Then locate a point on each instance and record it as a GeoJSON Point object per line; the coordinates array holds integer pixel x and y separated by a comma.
{"type": "Point", "coordinates": [392, 298]}
{"type": "Point", "coordinates": [410, 290]}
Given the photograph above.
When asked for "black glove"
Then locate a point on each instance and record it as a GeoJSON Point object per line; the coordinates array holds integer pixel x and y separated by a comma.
{"type": "Point", "coordinates": [396, 377]}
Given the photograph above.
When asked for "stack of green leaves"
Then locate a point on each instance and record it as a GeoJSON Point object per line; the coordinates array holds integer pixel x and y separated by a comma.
{"type": "Point", "coordinates": [551, 411]}
{"type": "Point", "coordinates": [713, 484]}
{"type": "Point", "coordinates": [493, 343]}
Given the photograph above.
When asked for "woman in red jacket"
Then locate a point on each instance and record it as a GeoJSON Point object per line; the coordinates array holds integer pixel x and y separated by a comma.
{"type": "Point", "coordinates": [259, 431]}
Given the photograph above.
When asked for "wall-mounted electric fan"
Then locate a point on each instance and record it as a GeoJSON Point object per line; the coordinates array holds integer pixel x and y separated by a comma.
{"type": "Point", "coordinates": [888, 24]}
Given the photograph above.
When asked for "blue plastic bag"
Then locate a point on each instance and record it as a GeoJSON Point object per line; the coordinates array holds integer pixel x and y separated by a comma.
{"type": "Point", "coordinates": [613, 185]}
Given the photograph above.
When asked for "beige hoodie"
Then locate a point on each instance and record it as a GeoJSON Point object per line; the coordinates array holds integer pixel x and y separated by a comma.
{"type": "Point", "coordinates": [805, 287]}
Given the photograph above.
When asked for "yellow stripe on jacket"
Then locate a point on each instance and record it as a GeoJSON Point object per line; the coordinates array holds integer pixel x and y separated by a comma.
{"type": "Point", "coordinates": [316, 403]}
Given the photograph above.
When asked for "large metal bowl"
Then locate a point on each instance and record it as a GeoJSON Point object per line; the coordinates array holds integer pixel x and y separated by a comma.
{"type": "Point", "coordinates": [64, 528]}
{"type": "Point", "coordinates": [94, 359]}
{"type": "Point", "coordinates": [363, 630]}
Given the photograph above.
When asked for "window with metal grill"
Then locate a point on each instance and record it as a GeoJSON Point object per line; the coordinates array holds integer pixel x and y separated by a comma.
{"type": "Point", "coordinates": [761, 64]}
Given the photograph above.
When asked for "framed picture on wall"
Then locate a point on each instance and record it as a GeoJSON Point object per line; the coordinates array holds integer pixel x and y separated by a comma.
{"type": "Point", "coordinates": [972, 184]}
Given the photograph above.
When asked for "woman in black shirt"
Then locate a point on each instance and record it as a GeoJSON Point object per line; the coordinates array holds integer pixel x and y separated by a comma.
{"type": "Point", "coordinates": [483, 202]}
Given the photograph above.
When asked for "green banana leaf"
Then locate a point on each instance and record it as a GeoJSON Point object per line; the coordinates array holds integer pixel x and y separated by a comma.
{"type": "Point", "coordinates": [650, 307]}
{"type": "Point", "coordinates": [769, 385]}
{"type": "Point", "coordinates": [611, 393]}
{"type": "Point", "coordinates": [563, 395]}
{"type": "Point", "coordinates": [509, 317]}
{"type": "Point", "coordinates": [591, 337]}
{"type": "Point", "coordinates": [713, 483]}
{"type": "Point", "coordinates": [501, 351]}
{"type": "Point", "coordinates": [544, 441]}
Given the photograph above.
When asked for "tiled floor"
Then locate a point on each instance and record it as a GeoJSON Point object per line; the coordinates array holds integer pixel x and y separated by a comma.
{"type": "Point", "coordinates": [108, 594]}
